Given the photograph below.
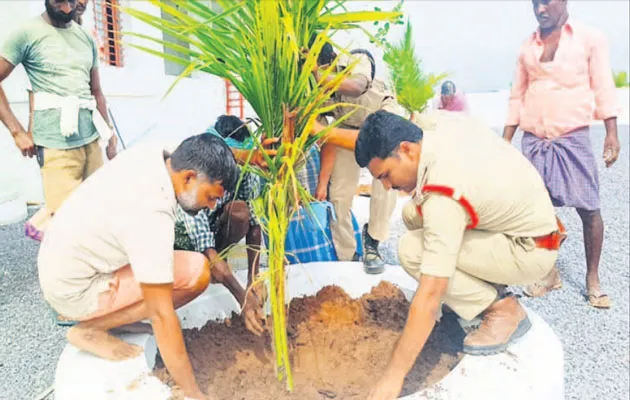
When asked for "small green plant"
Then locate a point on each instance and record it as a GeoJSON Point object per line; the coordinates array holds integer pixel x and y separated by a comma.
{"type": "Point", "coordinates": [413, 86]}
{"type": "Point", "coordinates": [621, 79]}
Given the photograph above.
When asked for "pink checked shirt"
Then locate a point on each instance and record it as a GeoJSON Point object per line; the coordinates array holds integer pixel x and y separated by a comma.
{"type": "Point", "coordinates": [555, 98]}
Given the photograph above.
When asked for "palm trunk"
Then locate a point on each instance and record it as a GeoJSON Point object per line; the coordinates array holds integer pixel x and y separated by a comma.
{"type": "Point", "coordinates": [279, 223]}
{"type": "Point", "coordinates": [280, 208]}
{"type": "Point", "coordinates": [257, 46]}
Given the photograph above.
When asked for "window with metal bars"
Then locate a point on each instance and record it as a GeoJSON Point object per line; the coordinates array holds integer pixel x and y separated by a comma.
{"type": "Point", "coordinates": [108, 24]}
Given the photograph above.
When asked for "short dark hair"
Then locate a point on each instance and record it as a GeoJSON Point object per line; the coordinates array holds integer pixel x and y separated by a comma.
{"type": "Point", "coordinates": [210, 157]}
{"type": "Point", "coordinates": [381, 134]}
{"type": "Point", "coordinates": [448, 88]}
{"type": "Point", "coordinates": [231, 126]}
{"type": "Point", "coordinates": [326, 55]}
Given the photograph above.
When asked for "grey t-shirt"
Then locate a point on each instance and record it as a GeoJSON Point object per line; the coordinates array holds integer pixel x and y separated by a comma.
{"type": "Point", "coordinates": [57, 61]}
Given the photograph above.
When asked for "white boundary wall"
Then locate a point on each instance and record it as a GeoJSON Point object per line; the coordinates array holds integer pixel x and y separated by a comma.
{"type": "Point", "coordinates": [134, 94]}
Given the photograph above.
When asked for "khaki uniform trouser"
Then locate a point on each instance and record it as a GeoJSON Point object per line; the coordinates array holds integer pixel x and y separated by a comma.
{"type": "Point", "coordinates": [343, 186]}
{"type": "Point", "coordinates": [64, 170]}
{"type": "Point", "coordinates": [486, 259]}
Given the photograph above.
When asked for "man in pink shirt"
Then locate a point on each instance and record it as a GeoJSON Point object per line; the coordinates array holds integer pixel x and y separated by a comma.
{"type": "Point", "coordinates": [451, 99]}
{"type": "Point", "coordinates": [563, 79]}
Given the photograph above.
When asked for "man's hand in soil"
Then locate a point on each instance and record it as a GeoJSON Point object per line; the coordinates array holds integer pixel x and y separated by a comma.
{"type": "Point", "coordinates": [423, 313]}
{"type": "Point", "coordinates": [388, 388]}
{"type": "Point", "coordinates": [222, 274]}
{"type": "Point", "coordinates": [158, 299]}
{"type": "Point", "coordinates": [253, 314]}
{"type": "Point", "coordinates": [198, 396]}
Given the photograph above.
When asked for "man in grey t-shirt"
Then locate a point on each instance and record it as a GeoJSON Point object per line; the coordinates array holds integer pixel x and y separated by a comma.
{"type": "Point", "coordinates": [61, 61]}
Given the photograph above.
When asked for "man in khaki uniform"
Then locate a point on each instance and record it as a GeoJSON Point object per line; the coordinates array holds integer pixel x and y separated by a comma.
{"type": "Point", "coordinates": [480, 219]}
{"type": "Point", "coordinates": [360, 88]}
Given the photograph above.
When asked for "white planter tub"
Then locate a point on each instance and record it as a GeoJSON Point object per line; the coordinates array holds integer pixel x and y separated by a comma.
{"type": "Point", "coordinates": [532, 368]}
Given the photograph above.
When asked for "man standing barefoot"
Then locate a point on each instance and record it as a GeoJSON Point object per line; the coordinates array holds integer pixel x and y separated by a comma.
{"type": "Point", "coordinates": [562, 70]}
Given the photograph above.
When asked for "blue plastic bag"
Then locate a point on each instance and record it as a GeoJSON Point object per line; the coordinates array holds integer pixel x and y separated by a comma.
{"type": "Point", "coordinates": [309, 237]}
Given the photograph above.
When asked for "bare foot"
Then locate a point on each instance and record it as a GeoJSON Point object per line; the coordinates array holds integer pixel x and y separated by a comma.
{"type": "Point", "coordinates": [136, 327]}
{"type": "Point", "coordinates": [550, 282]}
{"type": "Point", "coordinates": [102, 344]}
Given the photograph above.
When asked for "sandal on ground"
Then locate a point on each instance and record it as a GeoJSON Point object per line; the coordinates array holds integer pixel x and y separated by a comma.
{"type": "Point", "coordinates": [598, 300]}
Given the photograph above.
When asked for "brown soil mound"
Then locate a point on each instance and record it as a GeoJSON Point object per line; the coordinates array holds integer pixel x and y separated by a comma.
{"type": "Point", "coordinates": [339, 349]}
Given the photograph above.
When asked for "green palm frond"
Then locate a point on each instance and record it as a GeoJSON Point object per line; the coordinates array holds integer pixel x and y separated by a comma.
{"type": "Point", "coordinates": [259, 46]}
{"type": "Point", "coordinates": [621, 79]}
{"type": "Point", "coordinates": [413, 86]}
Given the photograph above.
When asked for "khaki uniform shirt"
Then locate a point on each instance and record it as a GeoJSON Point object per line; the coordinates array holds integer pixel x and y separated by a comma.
{"type": "Point", "coordinates": [376, 96]}
{"type": "Point", "coordinates": [505, 190]}
{"type": "Point", "coordinates": [122, 214]}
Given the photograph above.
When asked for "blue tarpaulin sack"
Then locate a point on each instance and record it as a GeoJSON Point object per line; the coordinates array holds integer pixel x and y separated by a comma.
{"type": "Point", "coordinates": [309, 237]}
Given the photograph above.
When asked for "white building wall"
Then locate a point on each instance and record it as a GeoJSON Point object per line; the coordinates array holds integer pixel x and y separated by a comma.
{"type": "Point", "coordinates": [135, 93]}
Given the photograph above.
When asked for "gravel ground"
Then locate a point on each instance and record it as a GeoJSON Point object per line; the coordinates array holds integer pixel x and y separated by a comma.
{"type": "Point", "coordinates": [30, 342]}
{"type": "Point", "coordinates": [596, 343]}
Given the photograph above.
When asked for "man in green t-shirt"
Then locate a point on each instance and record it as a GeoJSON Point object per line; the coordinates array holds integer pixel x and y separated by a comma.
{"type": "Point", "coordinates": [61, 61]}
